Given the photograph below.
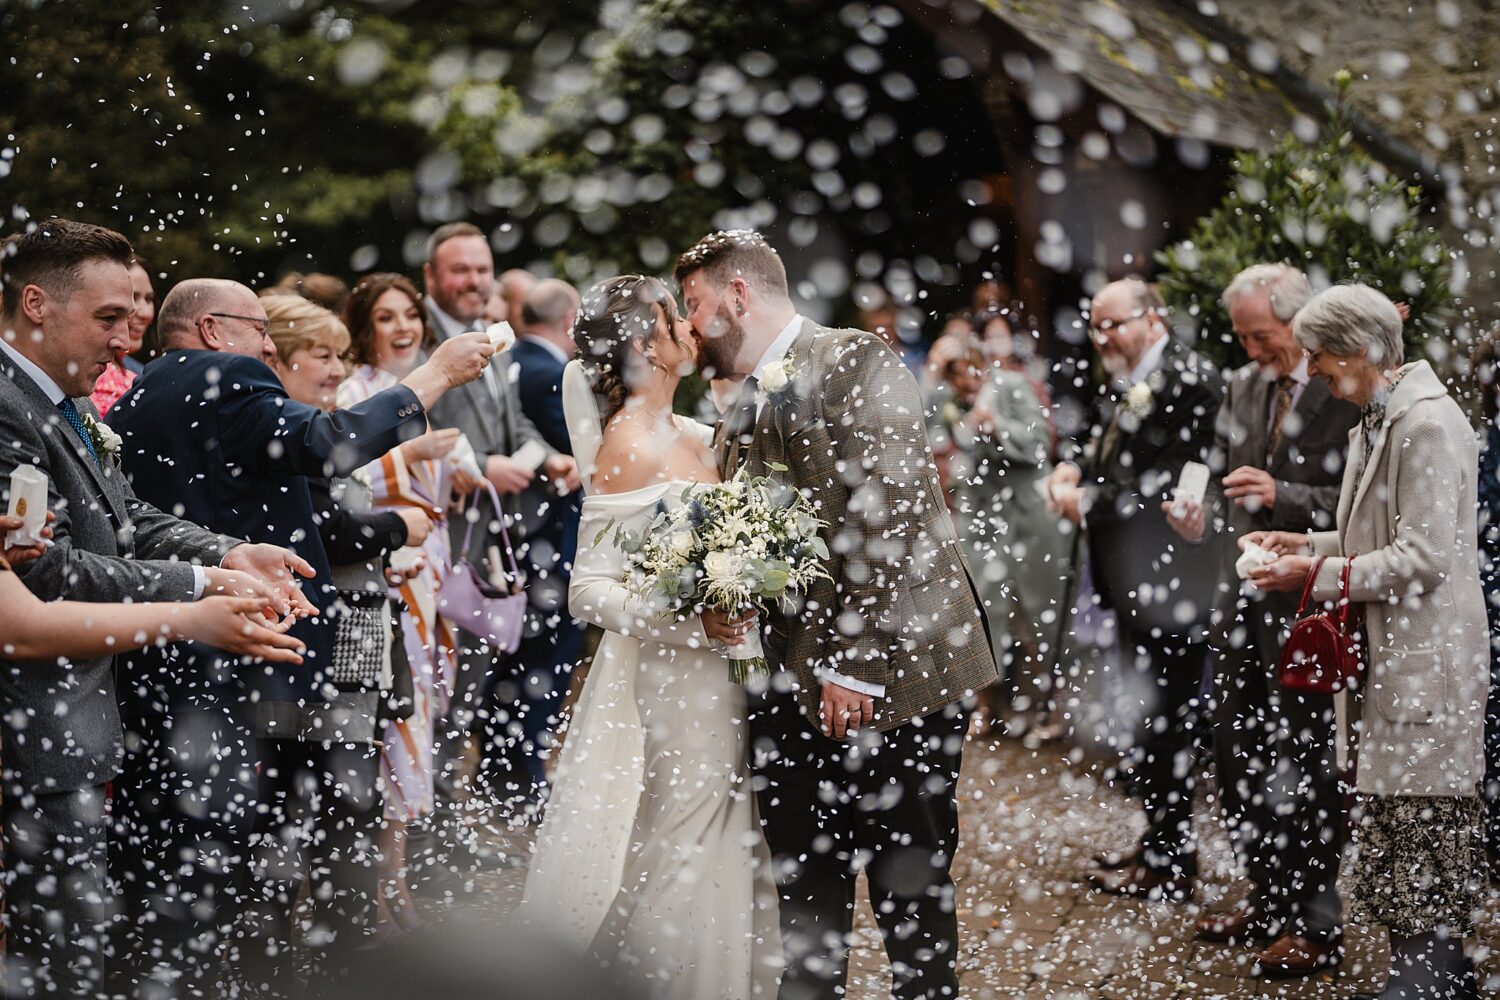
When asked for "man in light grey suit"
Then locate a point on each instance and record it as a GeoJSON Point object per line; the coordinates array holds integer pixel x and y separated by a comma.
{"type": "Point", "coordinates": [63, 312]}
{"type": "Point", "coordinates": [1280, 444]}
{"type": "Point", "coordinates": [459, 276]}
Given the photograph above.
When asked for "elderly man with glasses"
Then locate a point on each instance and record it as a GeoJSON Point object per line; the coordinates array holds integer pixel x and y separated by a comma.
{"type": "Point", "coordinates": [1156, 414]}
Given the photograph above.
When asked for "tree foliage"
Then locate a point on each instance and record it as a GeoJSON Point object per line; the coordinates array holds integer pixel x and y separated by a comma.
{"type": "Point", "coordinates": [1325, 207]}
{"type": "Point", "coordinates": [591, 137]}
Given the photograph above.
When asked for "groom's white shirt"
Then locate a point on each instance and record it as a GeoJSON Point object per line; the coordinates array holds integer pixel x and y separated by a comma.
{"type": "Point", "coordinates": [774, 353]}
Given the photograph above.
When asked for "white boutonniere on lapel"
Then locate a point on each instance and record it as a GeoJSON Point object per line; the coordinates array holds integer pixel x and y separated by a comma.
{"type": "Point", "coordinates": [106, 442]}
{"type": "Point", "coordinates": [774, 381]}
{"type": "Point", "coordinates": [1140, 402]}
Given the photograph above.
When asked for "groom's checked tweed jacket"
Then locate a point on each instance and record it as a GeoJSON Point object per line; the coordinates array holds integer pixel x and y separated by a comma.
{"type": "Point", "coordinates": [900, 608]}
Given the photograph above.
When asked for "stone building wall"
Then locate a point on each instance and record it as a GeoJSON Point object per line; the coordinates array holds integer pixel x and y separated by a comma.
{"type": "Point", "coordinates": [1428, 71]}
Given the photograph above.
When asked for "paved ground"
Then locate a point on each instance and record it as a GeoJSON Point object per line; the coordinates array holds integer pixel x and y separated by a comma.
{"type": "Point", "coordinates": [1030, 821]}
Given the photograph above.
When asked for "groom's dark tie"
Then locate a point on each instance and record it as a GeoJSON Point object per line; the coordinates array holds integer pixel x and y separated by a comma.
{"type": "Point", "coordinates": [736, 429]}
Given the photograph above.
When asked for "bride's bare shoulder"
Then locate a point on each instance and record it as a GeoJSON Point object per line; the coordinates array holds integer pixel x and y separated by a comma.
{"type": "Point", "coordinates": [630, 457]}
{"type": "Point", "coordinates": [635, 453]}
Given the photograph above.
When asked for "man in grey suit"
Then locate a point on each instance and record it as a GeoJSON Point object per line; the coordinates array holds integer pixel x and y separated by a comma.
{"type": "Point", "coordinates": [64, 310]}
{"type": "Point", "coordinates": [459, 276]}
{"type": "Point", "coordinates": [1280, 446]}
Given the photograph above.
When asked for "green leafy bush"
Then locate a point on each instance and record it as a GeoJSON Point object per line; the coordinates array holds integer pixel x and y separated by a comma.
{"type": "Point", "coordinates": [1325, 207]}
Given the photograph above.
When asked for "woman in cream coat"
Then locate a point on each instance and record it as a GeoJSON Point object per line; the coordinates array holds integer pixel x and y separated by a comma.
{"type": "Point", "coordinates": [1406, 527]}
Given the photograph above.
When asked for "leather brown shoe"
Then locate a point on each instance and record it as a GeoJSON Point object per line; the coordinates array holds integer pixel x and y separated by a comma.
{"type": "Point", "coordinates": [1292, 956]}
{"type": "Point", "coordinates": [1140, 882]}
{"type": "Point", "coordinates": [1240, 925]}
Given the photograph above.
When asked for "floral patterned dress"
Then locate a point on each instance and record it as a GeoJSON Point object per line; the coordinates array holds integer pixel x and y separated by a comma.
{"type": "Point", "coordinates": [431, 644]}
{"type": "Point", "coordinates": [113, 384]}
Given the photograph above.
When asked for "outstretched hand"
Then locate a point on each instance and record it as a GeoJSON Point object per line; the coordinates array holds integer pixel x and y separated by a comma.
{"type": "Point", "coordinates": [277, 568]}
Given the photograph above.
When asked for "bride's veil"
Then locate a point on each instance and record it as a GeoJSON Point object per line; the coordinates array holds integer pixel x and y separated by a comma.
{"type": "Point", "coordinates": [581, 410]}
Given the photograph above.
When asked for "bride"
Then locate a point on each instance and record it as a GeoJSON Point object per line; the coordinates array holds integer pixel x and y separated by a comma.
{"type": "Point", "coordinates": [651, 855]}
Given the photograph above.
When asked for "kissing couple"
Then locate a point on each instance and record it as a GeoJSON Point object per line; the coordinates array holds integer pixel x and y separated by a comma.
{"type": "Point", "coordinates": [703, 837]}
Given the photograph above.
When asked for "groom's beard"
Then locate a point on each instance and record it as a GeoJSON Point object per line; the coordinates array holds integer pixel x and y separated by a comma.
{"type": "Point", "coordinates": [719, 353]}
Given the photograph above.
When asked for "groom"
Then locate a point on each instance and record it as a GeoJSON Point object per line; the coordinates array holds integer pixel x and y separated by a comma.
{"type": "Point", "coordinates": [857, 743]}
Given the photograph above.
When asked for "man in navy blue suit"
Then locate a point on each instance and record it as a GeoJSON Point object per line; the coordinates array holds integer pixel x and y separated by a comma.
{"type": "Point", "coordinates": [209, 432]}
{"type": "Point", "coordinates": [532, 683]}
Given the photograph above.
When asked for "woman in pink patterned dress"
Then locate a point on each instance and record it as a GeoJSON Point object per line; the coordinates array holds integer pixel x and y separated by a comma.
{"type": "Point", "coordinates": [388, 330]}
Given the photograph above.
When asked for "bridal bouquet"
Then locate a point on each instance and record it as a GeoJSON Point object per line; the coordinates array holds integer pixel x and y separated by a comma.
{"type": "Point", "coordinates": [729, 547]}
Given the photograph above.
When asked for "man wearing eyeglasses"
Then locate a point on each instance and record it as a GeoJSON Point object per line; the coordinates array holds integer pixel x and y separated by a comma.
{"type": "Point", "coordinates": [1281, 443]}
{"type": "Point", "coordinates": [1156, 414]}
{"type": "Point", "coordinates": [210, 432]}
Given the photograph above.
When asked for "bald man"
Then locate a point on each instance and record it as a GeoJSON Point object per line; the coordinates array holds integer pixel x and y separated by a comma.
{"type": "Point", "coordinates": [209, 431]}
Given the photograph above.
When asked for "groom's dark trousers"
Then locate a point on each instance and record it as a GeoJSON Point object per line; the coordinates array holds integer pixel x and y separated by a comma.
{"type": "Point", "coordinates": [883, 803]}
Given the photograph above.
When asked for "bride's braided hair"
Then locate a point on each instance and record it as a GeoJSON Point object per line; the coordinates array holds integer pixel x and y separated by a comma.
{"type": "Point", "coordinates": [615, 315]}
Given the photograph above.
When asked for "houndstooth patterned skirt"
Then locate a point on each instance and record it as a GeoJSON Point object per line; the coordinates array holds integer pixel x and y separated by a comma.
{"type": "Point", "coordinates": [1418, 863]}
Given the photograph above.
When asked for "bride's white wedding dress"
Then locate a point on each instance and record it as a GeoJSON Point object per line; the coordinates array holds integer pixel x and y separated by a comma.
{"type": "Point", "coordinates": [650, 854]}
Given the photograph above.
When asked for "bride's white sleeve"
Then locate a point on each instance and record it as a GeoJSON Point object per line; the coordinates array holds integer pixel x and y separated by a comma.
{"type": "Point", "coordinates": [598, 596]}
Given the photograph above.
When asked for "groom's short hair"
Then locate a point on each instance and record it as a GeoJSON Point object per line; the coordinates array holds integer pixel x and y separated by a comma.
{"type": "Point", "coordinates": [735, 253]}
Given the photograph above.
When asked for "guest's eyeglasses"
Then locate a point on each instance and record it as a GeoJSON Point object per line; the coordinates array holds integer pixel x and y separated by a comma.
{"type": "Point", "coordinates": [261, 325]}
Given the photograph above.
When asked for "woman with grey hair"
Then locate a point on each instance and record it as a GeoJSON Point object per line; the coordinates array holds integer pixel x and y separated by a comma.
{"type": "Point", "coordinates": [1406, 531]}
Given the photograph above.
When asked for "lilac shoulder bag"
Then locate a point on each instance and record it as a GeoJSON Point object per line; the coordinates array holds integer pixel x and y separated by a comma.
{"type": "Point", "coordinates": [478, 606]}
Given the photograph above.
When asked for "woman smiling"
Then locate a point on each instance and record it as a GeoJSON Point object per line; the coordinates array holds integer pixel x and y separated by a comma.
{"type": "Point", "coordinates": [1406, 532]}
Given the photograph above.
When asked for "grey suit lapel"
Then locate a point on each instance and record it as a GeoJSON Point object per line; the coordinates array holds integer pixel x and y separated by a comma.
{"type": "Point", "coordinates": [53, 422]}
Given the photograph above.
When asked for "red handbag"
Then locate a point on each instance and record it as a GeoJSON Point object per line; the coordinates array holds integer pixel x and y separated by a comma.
{"type": "Point", "coordinates": [1323, 653]}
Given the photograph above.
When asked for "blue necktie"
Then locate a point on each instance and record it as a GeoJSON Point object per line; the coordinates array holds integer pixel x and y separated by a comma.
{"type": "Point", "coordinates": [71, 414]}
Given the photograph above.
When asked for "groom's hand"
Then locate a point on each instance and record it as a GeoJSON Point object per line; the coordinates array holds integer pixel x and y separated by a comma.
{"type": "Point", "coordinates": [844, 711]}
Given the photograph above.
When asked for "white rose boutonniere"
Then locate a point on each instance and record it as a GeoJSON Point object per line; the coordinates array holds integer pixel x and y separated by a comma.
{"type": "Point", "coordinates": [774, 380]}
{"type": "Point", "coordinates": [106, 442]}
{"type": "Point", "coordinates": [1139, 401]}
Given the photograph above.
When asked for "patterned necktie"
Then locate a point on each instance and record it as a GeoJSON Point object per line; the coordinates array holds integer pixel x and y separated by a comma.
{"type": "Point", "coordinates": [1283, 406]}
{"type": "Point", "coordinates": [72, 416]}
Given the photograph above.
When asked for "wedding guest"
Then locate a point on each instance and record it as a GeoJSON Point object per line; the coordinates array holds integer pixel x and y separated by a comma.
{"type": "Point", "coordinates": [514, 284]}
{"type": "Point", "coordinates": [1406, 533]}
{"type": "Point", "coordinates": [48, 630]}
{"type": "Point", "coordinates": [886, 321]}
{"type": "Point", "coordinates": [1012, 417]}
{"type": "Point", "coordinates": [326, 290]}
{"type": "Point", "coordinates": [1157, 416]}
{"type": "Point", "coordinates": [530, 686]}
{"type": "Point", "coordinates": [310, 345]}
{"type": "Point", "coordinates": [458, 276]}
{"type": "Point", "coordinates": [1280, 439]}
{"type": "Point", "coordinates": [1485, 364]}
{"type": "Point", "coordinates": [389, 332]}
{"type": "Point", "coordinates": [495, 308]}
{"type": "Point", "coordinates": [119, 376]}
{"type": "Point", "coordinates": [268, 735]}
{"type": "Point", "coordinates": [64, 310]}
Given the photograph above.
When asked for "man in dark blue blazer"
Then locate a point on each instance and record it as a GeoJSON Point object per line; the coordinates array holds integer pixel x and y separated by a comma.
{"type": "Point", "coordinates": [209, 431]}
{"type": "Point", "coordinates": [531, 684]}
